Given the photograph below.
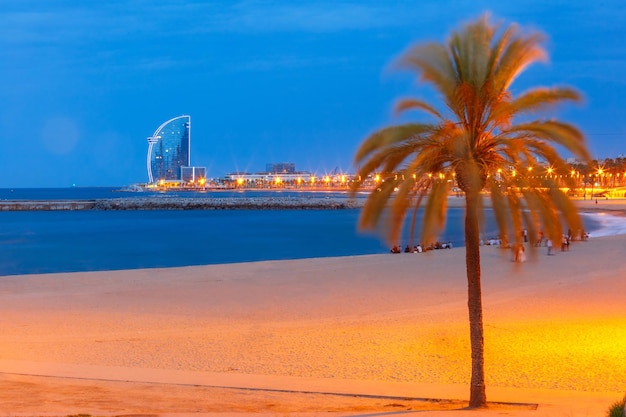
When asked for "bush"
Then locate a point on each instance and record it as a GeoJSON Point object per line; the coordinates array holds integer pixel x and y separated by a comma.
{"type": "Point", "coordinates": [617, 409]}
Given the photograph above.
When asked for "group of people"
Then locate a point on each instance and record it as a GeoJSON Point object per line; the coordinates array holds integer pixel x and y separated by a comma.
{"type": "Point", "coordinates": [519, 250]}
{"type": "Point", "coordinates": [494, 241]}
{"type": "Point", "coordinates": [565, 238]}
{"type": "Point", "coordinates": [419, 248]}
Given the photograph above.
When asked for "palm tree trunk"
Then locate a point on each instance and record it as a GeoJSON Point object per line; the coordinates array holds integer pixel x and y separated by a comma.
{"type": "Point", "coordinates": [478, 396]}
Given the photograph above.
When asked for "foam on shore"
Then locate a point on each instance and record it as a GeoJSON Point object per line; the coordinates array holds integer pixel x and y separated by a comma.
{"type": "Point", "coordinates": [609, 224]}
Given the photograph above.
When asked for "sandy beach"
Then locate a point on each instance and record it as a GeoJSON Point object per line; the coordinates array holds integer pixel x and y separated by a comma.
{"type": "Point", "coordinates": [358, 335]}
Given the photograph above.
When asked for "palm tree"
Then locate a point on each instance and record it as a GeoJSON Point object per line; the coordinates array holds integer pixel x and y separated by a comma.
{"type": "Point", "coordinates": [477, 141]}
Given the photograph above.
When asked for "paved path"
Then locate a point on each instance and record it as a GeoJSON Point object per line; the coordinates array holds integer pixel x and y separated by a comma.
{"type": "Point", "coordinates": [517, 402]}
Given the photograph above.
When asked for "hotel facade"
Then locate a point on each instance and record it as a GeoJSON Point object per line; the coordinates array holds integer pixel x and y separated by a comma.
{"type": "Point", "coordinates": [168, 159]}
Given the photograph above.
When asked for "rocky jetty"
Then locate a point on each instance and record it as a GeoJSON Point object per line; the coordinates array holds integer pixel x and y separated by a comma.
{"type": "Point", "coordinates": [265, 203]}
{"type": "Point", "coordinates": [160, 203]}
{"type": "Point", "coordinates": [46, 205]}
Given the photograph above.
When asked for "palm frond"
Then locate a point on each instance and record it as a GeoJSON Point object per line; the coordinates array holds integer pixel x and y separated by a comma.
{"type": "Point", "coordinates": [434, 219]}
{"type": "Point", "coordinates": [432, 62]}
{"type": "Point", "coordinates": [533, 101]}
{"type": "Point", "coordinates": [414, 104]}
{"type": "Point", "coordinates": [563, 134]}
{"type": "Point", "coordinates": [375, 205]}
{"type": "Point", "coordinates": [387, 137]}
{"type": "Point", "coordinates": [518, 54]}
{"type": "Point", "coordinates": [500, 208]}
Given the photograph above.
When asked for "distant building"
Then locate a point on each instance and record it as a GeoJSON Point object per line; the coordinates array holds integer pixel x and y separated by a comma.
{"type": "Point", "coordinates": [268, 179]}
{"type": "Point", "coordinates": [193, 175]}
{"type": "Point", "coordinates": [276, 175]}
{"type": "Point", "coordinates": [168, 150]}
{"type": "Point", "coordinates": [281, 168]}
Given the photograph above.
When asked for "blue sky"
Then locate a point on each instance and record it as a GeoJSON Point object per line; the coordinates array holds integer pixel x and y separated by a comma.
{"type": "Point", "coordinates": [84, 83]}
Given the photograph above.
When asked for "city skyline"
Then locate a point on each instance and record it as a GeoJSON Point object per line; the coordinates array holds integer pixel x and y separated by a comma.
{"type": "Point", "coordinates": [265, 81]}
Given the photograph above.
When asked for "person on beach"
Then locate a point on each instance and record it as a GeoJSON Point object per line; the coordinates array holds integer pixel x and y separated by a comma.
{"type": "Point", "coordinates": [549, 245]}
{"type": "Point", "coordinates": [519, 254]}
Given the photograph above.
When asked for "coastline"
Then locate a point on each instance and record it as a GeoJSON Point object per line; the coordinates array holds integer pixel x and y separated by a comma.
{"type": "Point", "coordinates": [371, 324]}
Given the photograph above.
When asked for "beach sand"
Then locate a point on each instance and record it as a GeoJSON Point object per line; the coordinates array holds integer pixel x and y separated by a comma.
{"type": "Point", "coordinates": [279, 337]}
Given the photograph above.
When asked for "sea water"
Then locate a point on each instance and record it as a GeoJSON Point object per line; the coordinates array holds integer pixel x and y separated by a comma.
{"type": "Point", "coordinates": [61, 241]}
{"type": "Point", "coordinates": [67, 241]}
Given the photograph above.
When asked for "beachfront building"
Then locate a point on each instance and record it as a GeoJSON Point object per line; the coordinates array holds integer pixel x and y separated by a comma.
{"type": "Point", "coordinates": [193, 176]}
{"type": "Point", "coordinates": [276, 175]}
{"type": "Point", "coordinates": [268, 179]}
{"type": "Point", "coordinates": [285, 175]}
{"type": "Point", "coordinates": [168, 150]}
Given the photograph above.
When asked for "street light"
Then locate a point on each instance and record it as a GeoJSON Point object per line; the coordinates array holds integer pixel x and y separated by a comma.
{"type": "Point", "coordinates": [601, 176]}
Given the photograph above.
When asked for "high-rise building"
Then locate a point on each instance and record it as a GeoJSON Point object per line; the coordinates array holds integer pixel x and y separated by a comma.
{"type": "Point", "coordinates": [168, 150]}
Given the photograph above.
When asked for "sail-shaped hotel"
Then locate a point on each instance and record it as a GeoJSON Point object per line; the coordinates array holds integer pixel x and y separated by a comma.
{"type": "Point", "coordinates": [168, 158]}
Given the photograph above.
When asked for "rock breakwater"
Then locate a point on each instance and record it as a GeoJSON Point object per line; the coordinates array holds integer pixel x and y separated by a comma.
{"type": "Point", "coordinates": [159, 203]}
{"type": "Point", "coordinates": [269, 203]}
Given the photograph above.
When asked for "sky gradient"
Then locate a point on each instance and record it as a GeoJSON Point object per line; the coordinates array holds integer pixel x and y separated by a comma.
{"type": "Point", "coordinates": [83, 84]}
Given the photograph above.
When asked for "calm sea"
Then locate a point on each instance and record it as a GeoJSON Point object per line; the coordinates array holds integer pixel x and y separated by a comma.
{"type": "Point", "coordinates": [64, 241]}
